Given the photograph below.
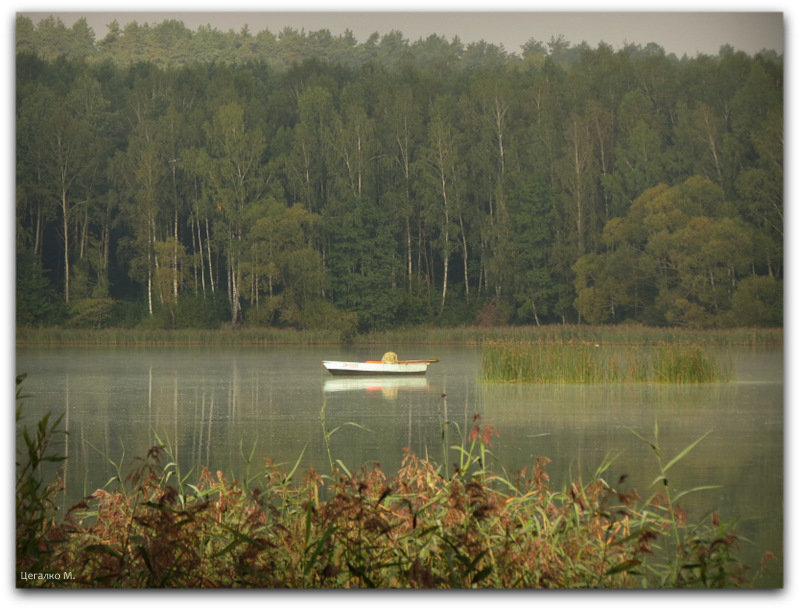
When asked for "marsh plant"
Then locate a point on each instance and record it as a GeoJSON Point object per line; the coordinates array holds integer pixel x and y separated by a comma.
{"type": "Point", "coordinates": [35, 498]}
{"type": "Point", "coordinates": [423, 527]}
{"type": "Point", "coordinates": [625, 335]}
{"type": "Point", "coordinates": [546, 362]}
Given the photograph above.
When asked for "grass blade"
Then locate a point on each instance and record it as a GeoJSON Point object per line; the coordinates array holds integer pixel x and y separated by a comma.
{"type": "Point", "coordinates": [685, 451]}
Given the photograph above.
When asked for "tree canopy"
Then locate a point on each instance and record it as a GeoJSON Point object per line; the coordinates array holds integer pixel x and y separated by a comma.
{"type": "Point", "coordinates": [175, 178]}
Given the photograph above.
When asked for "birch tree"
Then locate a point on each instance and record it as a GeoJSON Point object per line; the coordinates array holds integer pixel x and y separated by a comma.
{"type": "Point", "coordinates": [234, 180]}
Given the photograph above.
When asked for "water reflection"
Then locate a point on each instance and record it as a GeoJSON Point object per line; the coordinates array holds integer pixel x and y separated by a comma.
{"type": "Point", "coordinates": [216, 407]}
{"type": "Point", "coordinates": [388, 388]}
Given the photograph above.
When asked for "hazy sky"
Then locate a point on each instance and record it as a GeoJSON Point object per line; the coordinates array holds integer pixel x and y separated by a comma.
{"type": "Point", "coordinates": [677, 32]}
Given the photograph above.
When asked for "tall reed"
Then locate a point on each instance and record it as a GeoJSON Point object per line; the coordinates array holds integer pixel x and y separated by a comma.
{"type": "Point", "coordinates": [625, 334]}
{"type": "Point", "coordinates": [417, 529]}
{"type": "Point", "coordinates": [538, 362]}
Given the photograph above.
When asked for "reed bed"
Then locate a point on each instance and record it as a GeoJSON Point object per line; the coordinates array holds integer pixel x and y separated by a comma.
{"type": "Point", "coordinates": [138, 336]}
{"type": "Point", "coordinates": [421, 528]}
{"type": "Point", "coordinates": [627, 334]}
{"type": "Point", "coordinates": [537, 362]}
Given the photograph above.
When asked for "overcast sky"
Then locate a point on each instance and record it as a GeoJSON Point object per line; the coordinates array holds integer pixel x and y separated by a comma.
{"type": "Point", "coordinates": [677, 32]}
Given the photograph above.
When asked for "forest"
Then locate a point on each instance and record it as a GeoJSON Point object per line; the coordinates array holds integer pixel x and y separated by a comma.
{"type": "Point", "coordinates": [177, 178]}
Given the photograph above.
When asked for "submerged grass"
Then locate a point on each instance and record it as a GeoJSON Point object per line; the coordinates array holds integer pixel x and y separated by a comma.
{"type": "Point", "coordinates": [538, 362]}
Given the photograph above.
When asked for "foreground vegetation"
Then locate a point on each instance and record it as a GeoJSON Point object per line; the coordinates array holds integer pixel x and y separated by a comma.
{"type": "Point", "coordinates": [421, 528]}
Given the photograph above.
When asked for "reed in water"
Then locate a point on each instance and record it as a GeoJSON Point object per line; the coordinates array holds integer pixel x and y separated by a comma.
{"type": "Point", "coordinates": [538, 362]}
{"type": "Point", "coordinates": [421, 528]}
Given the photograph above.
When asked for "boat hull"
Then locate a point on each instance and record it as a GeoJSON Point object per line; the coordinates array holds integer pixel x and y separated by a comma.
{"type": "Point", "coordinates": [375, 368]}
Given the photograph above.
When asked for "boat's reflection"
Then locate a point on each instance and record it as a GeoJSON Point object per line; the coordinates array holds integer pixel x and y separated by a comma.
{"type": "Point", "coordinates": [386, 387]}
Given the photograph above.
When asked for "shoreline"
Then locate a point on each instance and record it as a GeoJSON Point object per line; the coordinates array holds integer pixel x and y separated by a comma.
{"type": "Point", "coordinates": [472, 335]}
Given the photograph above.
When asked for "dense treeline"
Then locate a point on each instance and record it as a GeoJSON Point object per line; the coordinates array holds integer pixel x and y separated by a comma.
{"type": "Point", "coordinates": [170, 178]}
{"type": "Point", "coordinates": [170, 42]}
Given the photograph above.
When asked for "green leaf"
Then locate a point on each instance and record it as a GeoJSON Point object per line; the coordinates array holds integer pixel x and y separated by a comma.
{"type": "Point", "coordinates": [625, 565]}
{"type": "Point", "coordinates": [228, 548]}
{"type": "Point", "coordinates": [99, 547]}
{"type": "Point", "coordinates": [296, 465]}
{"type": "Point", "coordinates": [708, 487]}
{"type": "Point", "coordinates": [143, 553]}
{"type": "Point", "coordinates": [684, 452]}
{"type": "Point", "coordinates": [314, 551]}
{"type": "Point", "coordinates": [239, 538]}
{"type": "Point", "coordinates": [344, 468]}
{"type": "Point", "coordinates": [482, 574]}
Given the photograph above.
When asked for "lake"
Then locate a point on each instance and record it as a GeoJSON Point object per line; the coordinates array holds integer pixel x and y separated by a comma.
{"type": "Point", "coordinates": [218, 406]}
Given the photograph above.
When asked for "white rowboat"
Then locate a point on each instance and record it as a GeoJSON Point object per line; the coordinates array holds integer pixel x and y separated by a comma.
{"type": "Point", "coordinates": [377, 368]}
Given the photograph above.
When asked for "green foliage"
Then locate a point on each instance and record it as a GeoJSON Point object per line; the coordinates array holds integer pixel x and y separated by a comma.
{"type": "Point", "coordinates": [321, 315]}
{"type": "Point", "coordinates": [758, 301]}
{"type": "Point", "coordinates": [90, 312]}
{"type": "Point", "coordinates": [400, 182]}
{"type": "Point", "coordinates": [37, 301]}
{"type": "Point", "coordinates": [35, 497]}
{"type": "Point", "coordinates": [676, 258]}
{"type": "Point", "coordinates": [193, 311]}
{"type": "Point", "coordinates": [696, 555]}
{"type": "Point", "coordinates": [197, 311]}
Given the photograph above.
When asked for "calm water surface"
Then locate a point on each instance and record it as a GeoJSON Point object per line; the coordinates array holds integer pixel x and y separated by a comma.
{"type": "Point", "coordinates": [217, 406]}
